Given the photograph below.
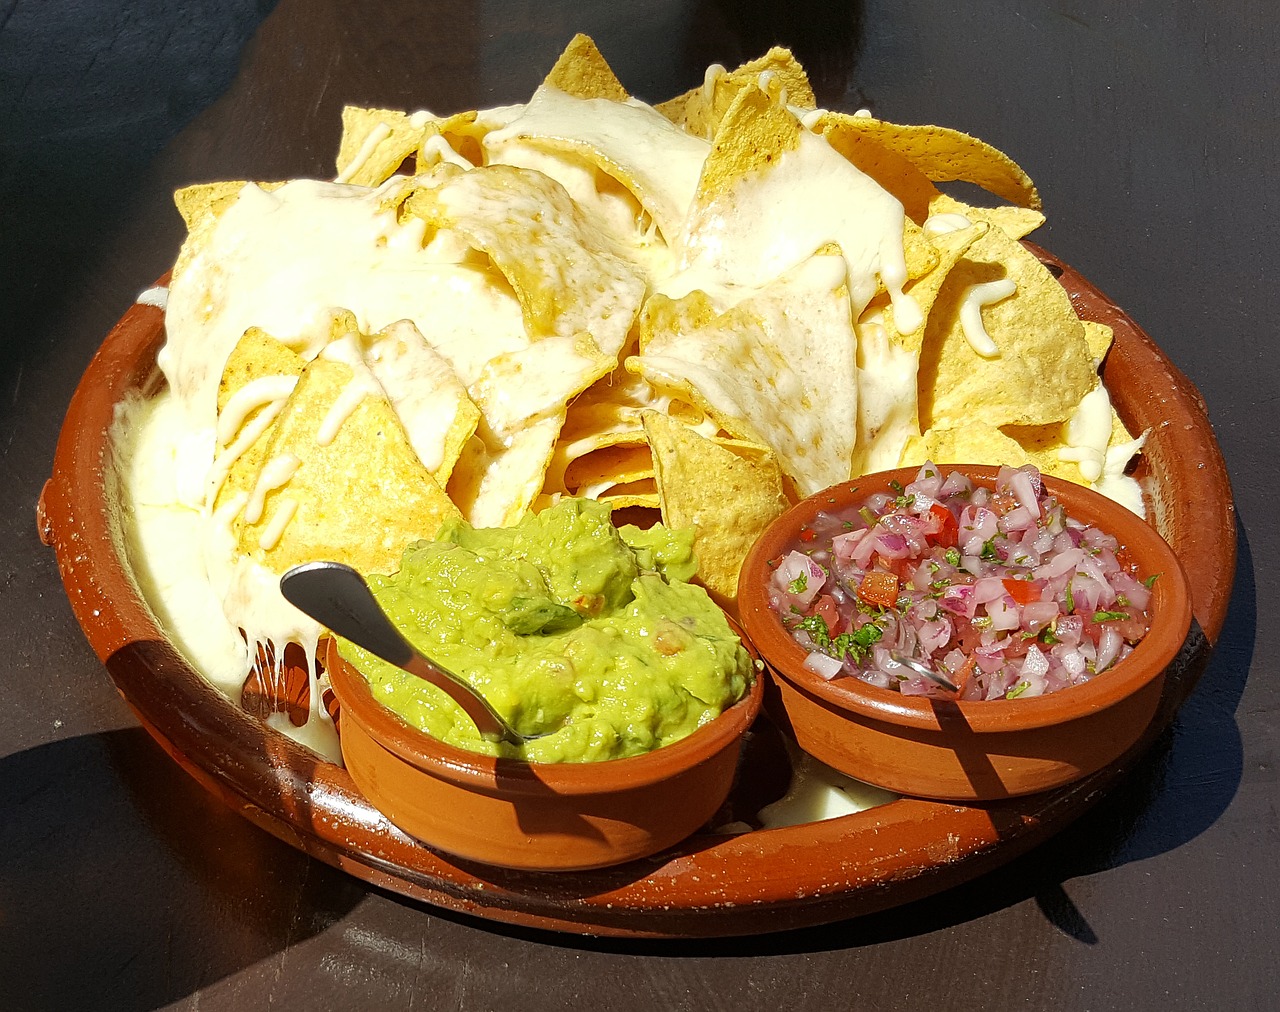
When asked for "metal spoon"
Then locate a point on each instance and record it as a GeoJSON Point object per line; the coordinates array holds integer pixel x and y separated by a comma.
{"type": "Point", "coordinates": [337, 597]}
{"type": "Point", "coordinates": [928, 673]}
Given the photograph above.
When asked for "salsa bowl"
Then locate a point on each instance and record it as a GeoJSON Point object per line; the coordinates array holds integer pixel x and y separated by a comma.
{"type": "Point", "coordinates": [979, 750]}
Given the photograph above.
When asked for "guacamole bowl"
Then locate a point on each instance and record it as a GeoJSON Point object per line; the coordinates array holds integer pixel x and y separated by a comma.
{"type": "Point", "coordinates": [934, 744]}
{"type": "Point", "coordinates": [536, 816]}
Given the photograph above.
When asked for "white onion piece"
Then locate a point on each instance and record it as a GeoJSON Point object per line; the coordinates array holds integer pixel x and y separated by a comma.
{"type": "Point", "coordinates": [822, 664]}
{"type": "Point", "coordinates": [1109, 644]}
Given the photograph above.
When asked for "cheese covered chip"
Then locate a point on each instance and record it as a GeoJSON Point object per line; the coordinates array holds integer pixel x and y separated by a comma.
{"type": "Point", "coordinates": [778, 369]}
{"type": "Point", "coordinates": [1003, 344]}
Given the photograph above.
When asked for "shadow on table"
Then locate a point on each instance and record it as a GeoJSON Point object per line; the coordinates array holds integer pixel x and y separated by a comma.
{"type": "Point", "coordinates": [123, 884]}
{"type": "Point", "coordinates": [1176, 792]}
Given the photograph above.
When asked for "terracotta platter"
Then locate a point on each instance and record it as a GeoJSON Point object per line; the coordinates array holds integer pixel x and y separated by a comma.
{"type": "Point", "coordinates": [765, 880]}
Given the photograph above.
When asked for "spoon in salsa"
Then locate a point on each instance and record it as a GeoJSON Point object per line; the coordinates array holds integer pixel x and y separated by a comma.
{"type": "Point", "coordinates": [337, 597]}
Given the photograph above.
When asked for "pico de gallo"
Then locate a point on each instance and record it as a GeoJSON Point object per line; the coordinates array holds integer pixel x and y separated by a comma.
{"type": "Point", "coordinates": [996, 590]}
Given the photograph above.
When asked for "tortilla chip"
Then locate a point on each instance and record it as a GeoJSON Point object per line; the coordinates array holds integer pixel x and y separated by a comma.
{"type": "Point", "coordinates": [432, 404]}
{"type": "Point", "coordinates": [891, 169]}
{"type": "Point", "coordinates": [583, 73]}
{"type": "Point", "coordinates": [567, 278]}
{"type": "Point", "coordinates": [619, 139]}
{"type": "Point", "coordinates": [594, 473]}
{"type": "Point", "coordinates": [494, 485]}
{"type": "Point", "coordinates": [201, 206]}
{"type": "Point", "coordinates": [761, 144]}
{"type": "Point", "coordinates": [971, 443]}
{"type": "Point", "coordinates": [376, 142]}
{"type": "Point", "coordinates": [1042, 367]}
{"type": "Point", "coordinates": [777, 369]}
{"type": "Point", "coordinates": [943, 155]}
{"type": "Point", "coordinates": [241, 452]}
{"type": "Point", "coordinates": [358, 497]}
{"type": "Point", "coordinates": [1098, 336]}
{"type": "Point", "coordinates": [1015, 222]}
{"type": "Point", "coordinates": [701, 110]}
{"type": "Point", "coordinates": [727, 500]}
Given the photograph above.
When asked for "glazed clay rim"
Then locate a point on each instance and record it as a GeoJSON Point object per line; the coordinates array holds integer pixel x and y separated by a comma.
{"type": "Point", "coordinates": [480, 772]}
{"type": "Point", "coordinates": [1171, 615]}
{"type": "Point", "coordinates": [762, 881]}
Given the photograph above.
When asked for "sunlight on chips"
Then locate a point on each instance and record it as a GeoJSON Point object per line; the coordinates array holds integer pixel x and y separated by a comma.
{"type": "Point", "coordinates": [709, 307]}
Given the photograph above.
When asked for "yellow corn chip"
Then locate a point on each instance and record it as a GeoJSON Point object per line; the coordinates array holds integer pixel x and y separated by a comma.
{"type": "Point", "coordinates": [753, 216]}
{"type": "Point", "coordinates": [375, 142]}
{"type": "Point", "coordinates": [971, 443]}
{"type": "Point", "coordinates": [432, 404]}
{"type": "Point", "coordinates": [1015, 222]}
{"type": "Point", "coordinates": [1041, 366]}
{"type": "Point", "coordinates": [583, 73]}
{"type": "Point", "coordinates": [778, 369]}
{"type": "Point", "coordinates": [943, 154]}
{"type": "Point", "coordinates": [888, 361]}
{"type": "Point", "coordinates": [592, 474]}
{"type": "Point", "coordinates": [259, 375]}
{"type": "Point", "coordinates": [201, 206]}
{"type": "Point", "coordinates": [618, 139]}
{"type": "Point", "coordinates": [1098, 336]}
{"type": "Point", "coordinates": [339, 479]}
{"type": "Point", "coordinates": [700, 110]}
{"type": "Point", "coordinates": [495, 484]}
{"type": "Point", "coordinates": [727, 500]}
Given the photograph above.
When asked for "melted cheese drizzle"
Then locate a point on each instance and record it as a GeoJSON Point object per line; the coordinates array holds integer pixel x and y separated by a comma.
{"type": "Point", "coordinates": [376, 136]}
{"type": "Point", "coordinates": [975, 298]}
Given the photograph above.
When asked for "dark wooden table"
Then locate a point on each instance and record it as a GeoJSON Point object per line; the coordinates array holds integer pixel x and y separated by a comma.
{"type": "Point", "coordinates": [1153, 131]}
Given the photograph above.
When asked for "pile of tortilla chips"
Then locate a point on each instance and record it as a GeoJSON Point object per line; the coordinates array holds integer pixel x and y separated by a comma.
{"type": "Point", "coordinates": [666, 351]}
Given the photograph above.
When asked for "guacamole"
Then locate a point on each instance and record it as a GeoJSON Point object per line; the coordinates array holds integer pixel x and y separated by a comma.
{"type": "Point", "coordinates": [566, 624]}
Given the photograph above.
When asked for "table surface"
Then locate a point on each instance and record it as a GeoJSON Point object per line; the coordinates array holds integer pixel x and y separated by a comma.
{"type": "Point", "coordinates": [1152, 131]}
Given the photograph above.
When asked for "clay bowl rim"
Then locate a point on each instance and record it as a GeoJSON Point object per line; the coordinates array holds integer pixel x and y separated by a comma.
{"type": "Point", "coordinates": [480, 772]}
{"type": "Point", "coordinates": [1171, 617]}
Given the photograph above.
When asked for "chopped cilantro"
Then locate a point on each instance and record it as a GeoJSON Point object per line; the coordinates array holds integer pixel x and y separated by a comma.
{"type": "Point", "coordinates": [1122, 601]}
{"type": "Point", "coordinates": [1109, 616]}
{"type": "Point", "coordinates": [847, 525]}
{"type": "Point", "coordinates": [953, 557]}
{"type": "Point", "coordinates": [1017, 690]}
{"type": "Point", "coordinates": [800, 583]}
{"type": "Point", "coordinates": [988, 552]}
{"type": "Point", "coordinates": [981, 622]}
{"type": "Point", "coordinates": [856, 643]}
{"type": "Point", "coordinates": [1071, 598]}
{"type": "Point", "coordinates": [896, 486]}
{"type": "Point", "coordinates": [1149, 582]}
{"type": "Point", "coordinates": [1048, 636]}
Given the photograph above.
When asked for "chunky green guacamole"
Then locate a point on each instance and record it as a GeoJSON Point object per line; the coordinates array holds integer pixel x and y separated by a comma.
{"type": "Point", "coordinates": [562, 622]}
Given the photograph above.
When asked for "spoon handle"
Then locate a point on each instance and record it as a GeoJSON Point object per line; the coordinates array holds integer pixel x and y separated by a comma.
{"type": "Point", "coordinates": [338, 598]}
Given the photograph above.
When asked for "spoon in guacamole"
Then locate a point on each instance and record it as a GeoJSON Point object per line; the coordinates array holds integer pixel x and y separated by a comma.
{"type": "Point", "coordinates": [337, 597]}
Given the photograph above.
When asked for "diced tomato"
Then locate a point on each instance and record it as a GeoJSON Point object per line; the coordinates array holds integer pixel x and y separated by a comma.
{"type": "Point", "coordinates": [825, 607]}
{"type": "Point", "coordinates": [879, 588]}
{"type": "Point", "coordinates": [949, 533]}
{"type": "Point", "coordinates": [807, 534]}
{"type": "Point", "coordinates": [1004, 502]}
{"type": "Point", "coordinates": [1022, 591]}
{"type": "Point", "coordinates": [961, 679]}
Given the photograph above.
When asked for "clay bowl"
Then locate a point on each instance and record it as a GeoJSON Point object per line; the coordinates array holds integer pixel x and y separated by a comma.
{"type": "Point", "coordinates": [536, 816]}
{"type": "Point", "coordinates": [968, 751]}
